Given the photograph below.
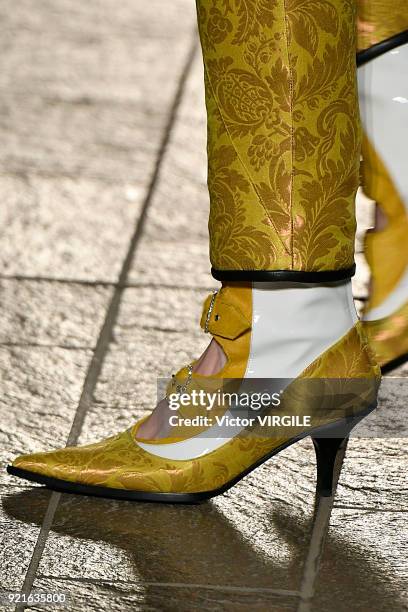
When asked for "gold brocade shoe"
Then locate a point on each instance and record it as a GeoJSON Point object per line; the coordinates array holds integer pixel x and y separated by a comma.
{"type": "Point", "coordinates": [385, 317]}
{"type": "Point", "coordinates": [383, 90]}
{"type": "Point", "coordinates": [388, 338]}
{"type": "Point", "coordinates": [306, 334]}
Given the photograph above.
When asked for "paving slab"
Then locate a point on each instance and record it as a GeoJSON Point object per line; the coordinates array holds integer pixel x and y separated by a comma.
{"type": "Point", "coordinates": [270, 511]}
{"type": "Point", "coordinates": [180, 206]}
{"type": "Point", "coordinates": [373, 481]}
{"type": "Point", "coordinates": [66, 228]}
{"type": "Point", "coordinates": [40, 392]}
{"type": "Point", "coordinates": [174, 248]}
{"type": "Point", "coordinates": [166, 263]}
{"type": "Point", "coordinates": [60, 127]}
{"type": "Point", "coordinates": [146, 542]}
{"type": "Point", "coordinates": [159, 308]}
{"type": "Point", "coordinates": [59, 314]}
{"type": "Point", "coordinates": [374, 473]}
{"type": "Point", "coordinates": [262, 525]}
{"type": "Point", "coordinates": [364, 564]}
{"type": "Point", "coordinates": [130, 374]}
{"type": "Point", "coordinates": [389, 420]}
{"type": "Point", "coordinates": [80, 161]}
{"type": "Point", "coordinates": [18, 535]}
{"type": "Point", "coordinates": [97, 47]}
{"type": "Point", "coordinates": [108, 141]}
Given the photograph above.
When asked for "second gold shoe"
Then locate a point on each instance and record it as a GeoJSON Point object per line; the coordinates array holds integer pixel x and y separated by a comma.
{"type": "Point", "coordinates": [385, 318]}
{"type": "Point", "coordinates": [297, 333]}
{"type": "Point", "coordinates": [383, 89]}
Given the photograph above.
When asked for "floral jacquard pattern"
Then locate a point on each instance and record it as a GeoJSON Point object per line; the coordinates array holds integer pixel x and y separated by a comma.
{"type": "Point", "coordinates": [283, 132]}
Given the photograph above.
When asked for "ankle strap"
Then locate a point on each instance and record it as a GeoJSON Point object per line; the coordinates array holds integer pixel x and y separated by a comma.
{"type": "Point", "coordinates": [221, 317]}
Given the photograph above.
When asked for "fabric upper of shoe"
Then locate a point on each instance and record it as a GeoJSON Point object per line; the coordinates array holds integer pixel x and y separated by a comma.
{"type": "Point", "coordinates": [385, 317]}
{"type": "Point", "coordinates": [120, 462]}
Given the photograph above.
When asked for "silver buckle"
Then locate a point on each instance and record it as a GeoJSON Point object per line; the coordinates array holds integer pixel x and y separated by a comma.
{"type": "Point", "coordinates": [182, 388]}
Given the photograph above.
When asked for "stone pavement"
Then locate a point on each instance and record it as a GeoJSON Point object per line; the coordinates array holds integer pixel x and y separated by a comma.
{"type": "Point", "coordinates": [103, 269]}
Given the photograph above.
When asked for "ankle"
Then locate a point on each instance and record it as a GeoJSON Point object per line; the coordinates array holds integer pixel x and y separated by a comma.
{"type": "Point", "coordinates": [381, 220]}
{"type": "Point", "coordinates": [293, 323]}
{"type": "Point", "coordinates": [211, 361]}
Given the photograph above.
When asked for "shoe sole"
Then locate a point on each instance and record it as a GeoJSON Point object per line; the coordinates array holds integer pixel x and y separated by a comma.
{"type": "Point", "coordinates": [65, 486]}
{"type": "Point", "coordinates": [394, 363]}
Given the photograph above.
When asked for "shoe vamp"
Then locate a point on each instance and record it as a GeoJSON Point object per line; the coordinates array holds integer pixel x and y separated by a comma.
{"type": "Point", "coordinates": [120, 463]}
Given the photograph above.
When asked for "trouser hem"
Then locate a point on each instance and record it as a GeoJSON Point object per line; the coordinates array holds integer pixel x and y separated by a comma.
{"type": "Point", "coordinates": [367, 55]}
{"type": "Point", "coordinates": [297, 276]}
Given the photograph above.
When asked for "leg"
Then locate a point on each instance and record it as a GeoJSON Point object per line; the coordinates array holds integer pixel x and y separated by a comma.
{"type": "Point", "coordinates": [383, 96]}
{"type": "Point", "coordinates": [283, 137]}
{"type": "Point", "coordinates": [283, 148]}
{"type": "Point", "coordinates": [283, 152]}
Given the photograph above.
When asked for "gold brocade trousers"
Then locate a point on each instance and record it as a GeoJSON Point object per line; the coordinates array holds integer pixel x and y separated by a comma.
{"type": "Point", "coordinates": [284, 135]}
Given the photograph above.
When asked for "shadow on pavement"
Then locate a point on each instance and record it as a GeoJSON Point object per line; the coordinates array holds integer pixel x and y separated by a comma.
{"type": "Point", "coordinates": [198, 545]}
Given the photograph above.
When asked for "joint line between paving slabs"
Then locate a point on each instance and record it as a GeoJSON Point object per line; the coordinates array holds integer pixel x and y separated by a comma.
{"type": "Point", "coordinates": [51, 279]}
{"type": "Point", "coordinates": [110, 318]}
{"type": "Point", "coordinates": [39, 545]}
{"type": "Point", "coordinates": [172, 585]}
